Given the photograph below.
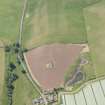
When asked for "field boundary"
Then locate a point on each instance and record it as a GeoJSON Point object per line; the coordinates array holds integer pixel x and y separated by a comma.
{"type": "Point", "coordinates": [2, 70]}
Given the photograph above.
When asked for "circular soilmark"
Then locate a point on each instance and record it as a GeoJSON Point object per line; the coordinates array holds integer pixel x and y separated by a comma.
{"type": "Point", "coordinates": [50, 65]}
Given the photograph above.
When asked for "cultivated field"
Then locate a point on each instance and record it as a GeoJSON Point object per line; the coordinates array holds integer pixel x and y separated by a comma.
{"type": "Point", "coordinates": [2, 70]}
{"type": "Point", "coordinates": [95, 25]}
{"type": "Point", "coordinates": [87, 96]}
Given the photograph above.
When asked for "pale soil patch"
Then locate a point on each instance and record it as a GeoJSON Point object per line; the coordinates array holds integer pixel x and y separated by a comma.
{"type": "Point", "coordinates": [85, 48]}
{"type": "Point", "coordinates": [59, 57]}
{"type": "Point", "coordinates": [27, 15]}
{"type": "Point", "coordinates": [1, 71]}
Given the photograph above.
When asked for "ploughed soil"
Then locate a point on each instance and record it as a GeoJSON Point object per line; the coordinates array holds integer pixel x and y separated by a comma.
{"type": "Point", "coordinates": [48, 63]}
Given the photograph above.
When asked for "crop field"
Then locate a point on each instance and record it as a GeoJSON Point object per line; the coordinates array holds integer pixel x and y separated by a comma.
{"type": "Point", "coordinates": [2, 61]}
{"type": "Point", "coordinates": [95, 24]}
{"type": "Point", "coordinates": [10, 15]}
{"type": "Point", "coordinates": [87, 96]}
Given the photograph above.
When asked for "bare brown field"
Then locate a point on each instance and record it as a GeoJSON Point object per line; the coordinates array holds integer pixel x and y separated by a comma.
{"type": "Point", "coordinates": [48, 63]}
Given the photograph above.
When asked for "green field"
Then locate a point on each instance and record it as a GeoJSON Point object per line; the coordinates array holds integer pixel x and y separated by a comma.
{"type": "Point", "coordinates": [10, 15]}
{"type": "Point", "coordinates": [95, 24]}
{"type": "Point", "coordinates": [54, 22]}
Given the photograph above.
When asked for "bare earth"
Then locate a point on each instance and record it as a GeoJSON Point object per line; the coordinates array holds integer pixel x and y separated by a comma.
{"type": "Point", "coordinates": [48, 63]}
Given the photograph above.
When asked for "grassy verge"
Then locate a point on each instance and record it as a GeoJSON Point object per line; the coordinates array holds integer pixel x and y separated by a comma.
{"type": "Point", "coordinates": [2, 72]}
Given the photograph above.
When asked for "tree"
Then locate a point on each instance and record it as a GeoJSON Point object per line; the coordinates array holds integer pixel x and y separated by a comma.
{"type": "Point", "coordinates": [16, 50]}
{"type": "Point", "coordinates": [18, 61]}
{"type": "Point", "coordinates": [7, 49]}
{"type": "Point", "coordinates": [23, 71]}
{"type": "Point", "coordinates": [15, 77]}
{"type": "Point", "coordinates": [17, 45]}
{"type": "Point", "coordinates": [25, 50]}
{"type": "Point", "coordinates": [12, 66]}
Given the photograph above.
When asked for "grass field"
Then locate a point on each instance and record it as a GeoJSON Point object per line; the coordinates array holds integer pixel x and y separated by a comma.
{"type": "Point", "coordinates": [60, 21]}
{"type": "Point", "coordinates": [10, 15]}
{"type": "Point", "coordinates": [95, 24]}
{"type": "Point", "coordinates": [2, 70]}
{"type": "Point", "coordinates": [55, 21]}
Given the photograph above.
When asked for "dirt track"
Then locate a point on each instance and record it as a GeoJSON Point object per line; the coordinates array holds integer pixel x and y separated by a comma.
{"type": "Point", "coordinates": [49, 63]}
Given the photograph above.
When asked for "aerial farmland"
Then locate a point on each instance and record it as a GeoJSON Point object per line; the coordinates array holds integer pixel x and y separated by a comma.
{"type": "Point", "coordinates": [52, 52]}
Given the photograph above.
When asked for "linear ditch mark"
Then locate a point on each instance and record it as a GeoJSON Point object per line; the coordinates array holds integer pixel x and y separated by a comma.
{"type": "Point", "coordinates": [65, 100]}
{"type": "Point", "coordinates": [94, 94]}
{"type": "Point", "coordinates": [102, 88]}
{"type": "Point", "coordinates": [84, 97]}
{"type": "Point", "coordinates": [75, 99]}
{"type": "Point", "coordinates": [2, 47]}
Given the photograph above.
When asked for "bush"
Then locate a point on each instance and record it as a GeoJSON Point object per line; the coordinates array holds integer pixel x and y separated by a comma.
{"type": "Point", "coordinates": [7, 49]}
